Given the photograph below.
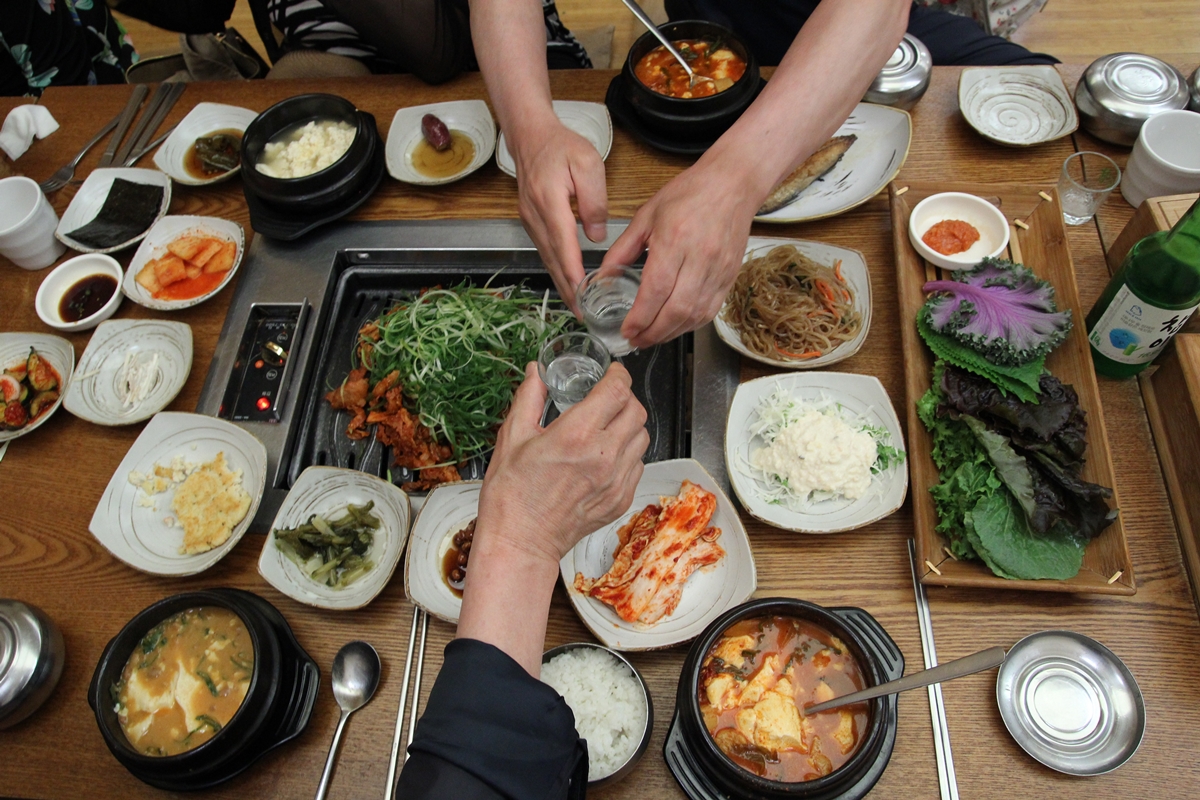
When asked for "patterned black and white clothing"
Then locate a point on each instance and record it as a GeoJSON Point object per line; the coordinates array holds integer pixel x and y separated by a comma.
{"type": "Point", "coordinates": [311, 24]}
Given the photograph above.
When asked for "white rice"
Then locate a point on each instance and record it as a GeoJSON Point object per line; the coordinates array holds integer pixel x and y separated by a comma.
{"type": "Point", "coordinates": [306, 150]}
{"type": "Point", "coordinates": [608, 703]}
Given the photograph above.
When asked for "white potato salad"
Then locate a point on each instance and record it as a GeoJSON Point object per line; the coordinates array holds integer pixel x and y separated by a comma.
{"type": "Point", "coordinates": [816, 451]}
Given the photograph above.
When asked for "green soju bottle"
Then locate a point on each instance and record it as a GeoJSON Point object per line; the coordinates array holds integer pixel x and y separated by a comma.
{"type": "Point", "coordinates": [1149, 299]}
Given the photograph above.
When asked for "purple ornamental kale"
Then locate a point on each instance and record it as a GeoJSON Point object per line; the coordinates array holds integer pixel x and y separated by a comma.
{"type": "Point", "coordinates": [999, 309]}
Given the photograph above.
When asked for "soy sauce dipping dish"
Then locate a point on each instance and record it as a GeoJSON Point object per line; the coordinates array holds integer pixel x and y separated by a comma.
{"type": "Point", "coordinates": [694, 118]}
{"type": "Point", "coordinates": [469, 117]}
{"type": "Point", "coordinates": [987, 219]}
{"type": "Point", "coordinates": [203, 120]}
{"type": "Point", "coordinates": [66, 275]}
{"type": "Point", "coordinates": [447, 510]}
{"type": "Point", "coordinates": [626, 768]}
{"type": "Point", "coordinates": [326, 491]}
{"type": "Point", "coordinates": [704, 772]}
{"type": "Point", "coordinates": [278, 704]}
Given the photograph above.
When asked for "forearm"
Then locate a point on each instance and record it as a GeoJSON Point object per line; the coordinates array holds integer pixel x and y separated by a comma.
{"type": "Point", "coordinates": [506, 602]}
{"type": "Point", "coordinates": [828, 68]}
{"type": "Point", "coordinates": [510, 46]}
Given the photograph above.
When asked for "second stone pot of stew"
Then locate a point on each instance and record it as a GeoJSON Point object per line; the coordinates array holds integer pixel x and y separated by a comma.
{"type": "Point", "coordinates": [740, 730]}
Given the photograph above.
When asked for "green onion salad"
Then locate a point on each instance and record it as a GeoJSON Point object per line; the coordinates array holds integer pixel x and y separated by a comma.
{"type": "Point", "coordinates": [460, 353]}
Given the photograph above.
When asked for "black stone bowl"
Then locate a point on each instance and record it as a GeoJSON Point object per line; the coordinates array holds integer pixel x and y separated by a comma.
{"type": "Point", "coordinates": [277, 707]}
{"type": "Point", "coordinates": [322, 189]}
{"type": "Point", "coordinates": [695, 118]}
{"type": "Point", "coordinates": [706, 773]}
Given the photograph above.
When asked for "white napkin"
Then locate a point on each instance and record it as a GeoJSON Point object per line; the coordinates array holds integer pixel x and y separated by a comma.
{"type": "Point", "coordinates": [21, 125]}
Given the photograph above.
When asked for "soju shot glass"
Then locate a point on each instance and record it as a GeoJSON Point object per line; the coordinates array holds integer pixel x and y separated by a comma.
{"type": "Point", "coordinates": [1087, 179]}
{"type": "Point", "coordinates": [570, 365]}
{"type": "Point", "coordinates": [605, 297]}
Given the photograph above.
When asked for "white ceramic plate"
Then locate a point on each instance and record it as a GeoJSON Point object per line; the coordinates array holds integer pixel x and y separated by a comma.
{"type": "Point", "coordinates": [861, 396]}
{"type": "Point", "coordinates": [706, 595]}
{"type": "Point", "coordinates": [1019, 105]}
{"type": "Point", "coordinates": [884, 134]}
{"type": "Point", "coordinates": [203, 120]}
{"type": "Point", "coordinates": [471, 117]}
{"type": "Point", "coordinates": [167, 230]}
{"type": "Point", "coordinates": [91, 196]}
{"type": "Point", "coordinates": [93, 394]}
{"type": "Point", "coordinates": [448, 509]}
{"type": "Point", "coordinates": [854, 269]}
{"type": "Point", "coordinates": [327, 491]}
{"type": "Point", "coordinates": [137, 534]}
{"type": "Point", "coordinates": [589, 120]}
{"type": "Point", "coordinates": [14, 349]}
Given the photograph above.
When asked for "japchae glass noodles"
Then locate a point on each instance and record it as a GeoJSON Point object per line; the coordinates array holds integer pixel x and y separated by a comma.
{"type": "Point", "coordinates": [784, 304]}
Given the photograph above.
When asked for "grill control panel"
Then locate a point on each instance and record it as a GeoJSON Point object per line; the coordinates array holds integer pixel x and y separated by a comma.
{"type": "Point", "coordinates": [259, 378]}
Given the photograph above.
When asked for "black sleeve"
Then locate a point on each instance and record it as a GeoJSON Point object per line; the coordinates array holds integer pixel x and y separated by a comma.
{"type": "Point", "coordinates": [492, 731]}
{"type": "Point", "coordinates": [181, 16]}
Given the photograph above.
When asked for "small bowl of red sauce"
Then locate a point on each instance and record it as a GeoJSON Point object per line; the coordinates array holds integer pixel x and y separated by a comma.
{"type": "Point", "coordinates": [80, 293]}
{"type": "Point", "coordinates": [956, 230]}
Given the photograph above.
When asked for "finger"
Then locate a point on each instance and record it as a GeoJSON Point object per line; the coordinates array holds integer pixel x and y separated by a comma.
{"type": "Point", "coordinates": [525, 415]}
{"type": "Point", "coordinates": [629, 245]}
{"type": "Point", "coordinates": [606, 400]}
{"type": "Point", "coordinates": [628, 421]}
{"type": "Point", "coordinates": [564, 243]}
{"type": "Point", "coordinates": [659, 279]}
{"type": "Point", "coordinates": [591, 195]}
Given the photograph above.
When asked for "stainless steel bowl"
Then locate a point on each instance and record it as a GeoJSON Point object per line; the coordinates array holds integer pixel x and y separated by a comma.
{"type": "Point", "coordinates": [31, 660]}
{"type": "Point", "coordinates": [1194, 89]}
{"type": "Point", "coordinates": [640, 750]}
{"type": "Point", "coordinates": [1119, 92]}
{"type": "Point", "coordinates": [905, 77]}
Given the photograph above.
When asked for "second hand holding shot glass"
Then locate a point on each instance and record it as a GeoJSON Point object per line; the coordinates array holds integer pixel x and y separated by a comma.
{"type": "Point", "coordinates": [570, 365]}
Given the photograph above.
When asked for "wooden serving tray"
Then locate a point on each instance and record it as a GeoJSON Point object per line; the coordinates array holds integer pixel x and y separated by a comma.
{"type": "Point", "coordinates": [1042, 248]}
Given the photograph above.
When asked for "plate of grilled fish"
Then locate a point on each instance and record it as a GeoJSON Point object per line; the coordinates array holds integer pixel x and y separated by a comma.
{"type": "Point", "coordinates": [864, 155]}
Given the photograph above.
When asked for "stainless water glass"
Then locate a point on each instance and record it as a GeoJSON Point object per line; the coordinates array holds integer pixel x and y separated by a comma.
{"type": "Point", "coordinates": [570, 365]}
{"type": "Point", "coordinates": [605, 297]}
{"type": "Point", "coordinates": [1087, 179]}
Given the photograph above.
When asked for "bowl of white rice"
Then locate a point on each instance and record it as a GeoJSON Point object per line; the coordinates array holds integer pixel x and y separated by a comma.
{"type": "Point", "coordinates": [611, 704]}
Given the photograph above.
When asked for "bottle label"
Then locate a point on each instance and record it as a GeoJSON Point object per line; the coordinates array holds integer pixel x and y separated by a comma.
{"type": "Point", "coordinates": [1132, 331]}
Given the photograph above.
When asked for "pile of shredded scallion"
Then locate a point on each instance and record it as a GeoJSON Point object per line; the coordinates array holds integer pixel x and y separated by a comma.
{"type": "Point", "coordinates": [461, 353]}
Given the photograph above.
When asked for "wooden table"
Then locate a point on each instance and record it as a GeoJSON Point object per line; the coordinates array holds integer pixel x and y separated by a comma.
{"type": "Point", "coordinates": [52, 479]}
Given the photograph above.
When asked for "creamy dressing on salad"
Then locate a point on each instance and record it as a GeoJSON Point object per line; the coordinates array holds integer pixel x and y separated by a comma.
{"type": "Point", "coordinates": [818, 452]}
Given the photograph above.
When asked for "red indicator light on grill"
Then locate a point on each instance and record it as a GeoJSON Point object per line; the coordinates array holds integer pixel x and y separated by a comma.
{"type": "Point", "coordinates": [263, 403]}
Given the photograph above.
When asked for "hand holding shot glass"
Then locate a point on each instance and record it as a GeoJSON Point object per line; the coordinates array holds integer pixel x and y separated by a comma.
{"type": "Point", "coordinates": [605, 297]}
{"type": "Point", "coordinates": [570, 365]}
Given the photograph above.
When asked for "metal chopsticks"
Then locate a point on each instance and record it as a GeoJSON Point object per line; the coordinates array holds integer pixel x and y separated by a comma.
{"type": "Point", "coordinates": [947, 780]}
{"type": "Point", "coordinates": [422, 619]}
{"type": "Point", "coordinates": [416, 696]}
{"type": "Point", "coordinates": [136, 157]}
{"type": "Point", "coordinates": [131, 108]}
{"type": "Point", "coordinates": [172, 95]}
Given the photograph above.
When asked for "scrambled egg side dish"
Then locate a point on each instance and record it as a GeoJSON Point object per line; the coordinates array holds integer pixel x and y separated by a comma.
{"type": "Point", "coordinates": [209, 502]}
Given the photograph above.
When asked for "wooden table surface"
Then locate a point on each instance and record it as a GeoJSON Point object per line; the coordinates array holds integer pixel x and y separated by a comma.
{"type": "Point", "coordinates": [51, 481]}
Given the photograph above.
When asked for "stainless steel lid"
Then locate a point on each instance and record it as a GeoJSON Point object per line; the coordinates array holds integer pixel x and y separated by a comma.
{"type": "Point", "coordinates": [905, 77]}
{"type": "Point", "coordinates": [1070, 703]}
{"type": "Point", "coordinates": [31, 660]}
{"type": "Point", "coordinates": [1194, 89]}
{"type": "Point", "coordinates": [1134, 85]}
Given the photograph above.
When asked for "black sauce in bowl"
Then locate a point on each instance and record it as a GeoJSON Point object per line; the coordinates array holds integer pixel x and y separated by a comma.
{"type": "Point", "coordinates": [86, 296]}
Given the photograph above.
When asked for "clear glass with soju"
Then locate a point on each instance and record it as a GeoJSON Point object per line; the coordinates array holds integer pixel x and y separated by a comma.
{"type": "Point", "coordinates": [1148, 300]}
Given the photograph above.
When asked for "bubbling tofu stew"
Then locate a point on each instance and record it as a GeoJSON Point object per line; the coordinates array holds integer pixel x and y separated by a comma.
{"type": "Point", "coordinates": [184, 681]}
{"type": "Point", "coordinates": [754, 684]}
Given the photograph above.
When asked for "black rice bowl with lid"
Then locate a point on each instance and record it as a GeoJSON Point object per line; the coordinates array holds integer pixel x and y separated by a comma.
{"type": "Point", "coordinates": [276, 709]}
{"type": "Point", "coordinates": [705, 772]}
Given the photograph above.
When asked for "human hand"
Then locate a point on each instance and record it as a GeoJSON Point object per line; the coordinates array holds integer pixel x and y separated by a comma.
{"type": "Point", "coordinates": [547, 488]}
{"type": "Point", "coordinates": [555, 164]}
{"type": "Point", "coordinates": [694, 231]}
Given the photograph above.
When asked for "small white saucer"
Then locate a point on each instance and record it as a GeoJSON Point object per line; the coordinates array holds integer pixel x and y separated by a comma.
{"type": "Point", "coordinates": [589, 120]}
{"type": "Point", "coordinates": [470, 117]}
{"type": "Point", "coordinates": [203, 120]}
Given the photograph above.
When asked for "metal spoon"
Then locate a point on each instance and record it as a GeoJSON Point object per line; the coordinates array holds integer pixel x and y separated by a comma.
{"type": "Point", "coordinates": [356, 671]}
{"type": "Point", "coordinates": [649, 23]}
{"type": "Point", "coordinates": [967, 665]}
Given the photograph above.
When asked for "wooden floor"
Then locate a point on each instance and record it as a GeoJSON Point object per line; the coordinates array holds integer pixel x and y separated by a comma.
{"type": "Point", "coordinates": [1073, 30]}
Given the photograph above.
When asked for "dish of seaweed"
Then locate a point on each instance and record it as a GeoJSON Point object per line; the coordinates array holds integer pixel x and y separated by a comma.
{"type": "Point", "coordinates": [129, 210]}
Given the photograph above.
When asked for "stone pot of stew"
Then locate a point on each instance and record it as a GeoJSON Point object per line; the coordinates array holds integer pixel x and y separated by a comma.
{"type": "Point", "coordinates": [775, 752]}
{"type": "Point", "coordinates": [281, 683]}
{"type": "Point", "coordinates": [694, 118]}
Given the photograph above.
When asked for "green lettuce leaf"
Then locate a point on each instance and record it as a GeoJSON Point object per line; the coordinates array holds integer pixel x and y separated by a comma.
{"type": "Point", "coordinates": [1012, 468]}
{"type": "Point", "coordinates": [997, 529]}
{"type": "Point", "coordinates": [1022, 381]}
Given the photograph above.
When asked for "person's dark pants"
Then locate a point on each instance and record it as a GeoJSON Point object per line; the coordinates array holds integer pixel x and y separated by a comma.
{"type": "Point", "coordinates": [769, 26]}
